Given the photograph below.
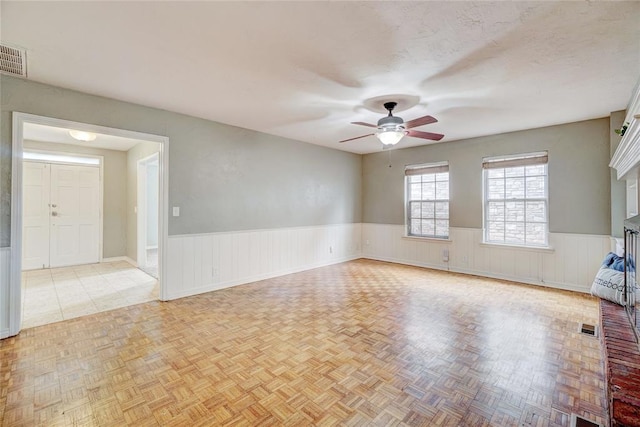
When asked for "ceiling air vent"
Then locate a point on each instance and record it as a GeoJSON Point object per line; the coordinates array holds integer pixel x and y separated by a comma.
{"type": "Point", "coordinates": [13, 61]}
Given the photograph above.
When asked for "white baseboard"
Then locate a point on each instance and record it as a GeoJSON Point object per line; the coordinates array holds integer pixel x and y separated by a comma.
{"type": "Point", "coordinates": [207, 262]}
{"type": "Point", "coordinates": [120, 258]}
{"type": "Point", "coordinates": [230, 283]}
{"type": "Point", "coordinates": [571, 265]}
{"type": "Point", "coordinates": [517, 279]}
{"type": "Point", "coordinates": [441, 267]}
{"type": "Point", "coordinates": [5, 292]}
{"type": "Point", "coordinates": [528, 281]}
{"type": "Point", "coordinates": [114, 259]}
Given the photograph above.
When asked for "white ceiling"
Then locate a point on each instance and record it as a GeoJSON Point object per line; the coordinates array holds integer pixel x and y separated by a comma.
{"type": "Point", "coordinates": [44, 133]}
{"type": "Point", "coordinates": [304, 70]}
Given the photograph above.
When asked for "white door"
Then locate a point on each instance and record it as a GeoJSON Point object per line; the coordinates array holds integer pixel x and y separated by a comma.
{"type": "Point", "coordinates": [35, 219]}
{"type": "Point", "coordinates": [61, 215]}
{"type": "Point", "coordinates": [75, 215]}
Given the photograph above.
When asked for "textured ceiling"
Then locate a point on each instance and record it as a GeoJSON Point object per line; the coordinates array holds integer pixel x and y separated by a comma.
{"type": "Point", "coordinates": [304, 70]}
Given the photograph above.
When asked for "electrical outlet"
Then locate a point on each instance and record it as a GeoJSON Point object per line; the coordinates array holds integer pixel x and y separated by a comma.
{"type": "Point", "coordinates": [445, 255]}
{"type": "Point", "coordinates": [465, 259]}
{"type": "Point", "coordinates": [214, 272]}
{"type": "Point", "coordinates": [330, 249]}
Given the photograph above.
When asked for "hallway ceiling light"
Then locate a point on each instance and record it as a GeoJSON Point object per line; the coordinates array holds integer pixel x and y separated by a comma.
{"type": "Point", "coordinates": [82, 136]}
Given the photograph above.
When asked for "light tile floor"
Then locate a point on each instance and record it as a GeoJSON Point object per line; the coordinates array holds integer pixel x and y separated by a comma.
{"type": "Point", "coordinates": [64, 293]}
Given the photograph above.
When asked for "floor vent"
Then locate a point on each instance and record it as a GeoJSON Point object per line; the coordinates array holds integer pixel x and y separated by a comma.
{"type": "Point", "coordinates": [578, 421]}
{"type": "Point", "coordinates": [587, 329]}
{"type": "Point", "coordinates": [13, 61]}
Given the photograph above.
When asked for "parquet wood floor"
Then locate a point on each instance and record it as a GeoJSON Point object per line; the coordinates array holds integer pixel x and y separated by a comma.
{"type": "Point", "coordinates": [359, 343]}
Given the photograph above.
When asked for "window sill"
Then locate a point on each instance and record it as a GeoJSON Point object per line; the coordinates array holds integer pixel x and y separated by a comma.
{"type": "Point", "coordinates": [544, 249]}
{"type": "Point", "coordinates": [427, 239]}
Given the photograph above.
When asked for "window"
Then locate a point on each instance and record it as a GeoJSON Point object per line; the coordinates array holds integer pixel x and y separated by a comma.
{"type": "Point", "coordinates": [60, 158]}
{"type": "Point", "coordinates": [515, 200]}
{"type": "Point", "coordinates": [427, 205]}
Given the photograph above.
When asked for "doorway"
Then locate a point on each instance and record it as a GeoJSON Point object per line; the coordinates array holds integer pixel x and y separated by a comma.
{"type": "Point", "coordinates": [147, 214]}
{"type": "Point", "coordinates": [74, 251]}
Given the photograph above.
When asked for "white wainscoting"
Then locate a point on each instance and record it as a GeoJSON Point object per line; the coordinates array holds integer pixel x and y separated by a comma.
{"type": "Point", "coordinates": [200, 263]}
{"type": "Point", "coordinates": [204, 262]}
{"type": "Point", "coordinates": [5, 274]}
{"type": "Point", "coordinates": [572, 264]}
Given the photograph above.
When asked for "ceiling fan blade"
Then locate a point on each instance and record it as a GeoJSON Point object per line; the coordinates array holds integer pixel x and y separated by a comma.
{"type": "Point", "coordinates": [425, 135]}
{"type": "Point", "coordinates": [364, 124]}
{"type": "Point", "coordinates": [419, 122]}
{"type": "Point", "coordinates": [357, 137]}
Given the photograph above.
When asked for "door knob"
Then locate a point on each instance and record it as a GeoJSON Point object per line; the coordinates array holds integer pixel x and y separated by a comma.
{"type": "Point", "coordinates": [54, 213]}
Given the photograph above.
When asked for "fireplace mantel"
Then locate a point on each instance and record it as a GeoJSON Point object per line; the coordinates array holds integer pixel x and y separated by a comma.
{"type": "Point", "coordinates": [626, 159]}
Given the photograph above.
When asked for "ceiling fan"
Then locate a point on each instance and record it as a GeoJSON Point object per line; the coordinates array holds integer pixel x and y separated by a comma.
{"type": "Point", "coordinates": [391, 129]}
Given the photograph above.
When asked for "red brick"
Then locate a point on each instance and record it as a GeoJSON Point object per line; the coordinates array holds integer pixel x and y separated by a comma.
{"type": "Point", "coordinates": [622, 365]}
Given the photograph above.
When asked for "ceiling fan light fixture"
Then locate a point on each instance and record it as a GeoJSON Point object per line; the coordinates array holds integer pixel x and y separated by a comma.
{"type": "Point", "coordinates": [82, 136]}
{"type": "Point", "coordinates": [391, 129]}
{"type": "Point", "coordinates": [390, 136]}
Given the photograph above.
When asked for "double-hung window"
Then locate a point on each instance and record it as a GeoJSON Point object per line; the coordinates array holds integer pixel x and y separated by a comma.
{"type": "Point", "coordinates": [516, 202]}
{"type": "Point", "coordinates": [427, 200]}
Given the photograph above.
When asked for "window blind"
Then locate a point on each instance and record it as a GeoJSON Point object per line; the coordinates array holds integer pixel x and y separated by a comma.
{"type": "Point", "coordinates": [509, 162]}
{"type": "Point", "coordinates": [422, 169]}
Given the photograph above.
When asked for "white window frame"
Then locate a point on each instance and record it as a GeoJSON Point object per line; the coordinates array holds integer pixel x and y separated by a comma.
{"type": "Point", "coordinates": [424, 169]}
{"type": "Point", "coordinates": [503, 162]}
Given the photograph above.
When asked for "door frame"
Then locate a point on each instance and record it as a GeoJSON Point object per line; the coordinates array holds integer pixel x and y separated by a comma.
{"type": "Point", "coordinates": [18, 121]}
{"type": "Point", "coordinates": [100, 194]}
{"type": "Point", "coordinates": [141, 210]}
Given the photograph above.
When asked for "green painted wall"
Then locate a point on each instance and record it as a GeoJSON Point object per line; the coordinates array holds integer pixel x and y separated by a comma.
{"type": "Point", "coordinates": [579, 179]}
{"type": "Point", "coordinates": [224, 178]}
